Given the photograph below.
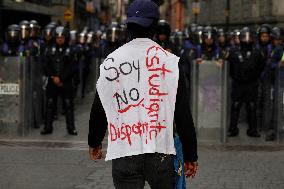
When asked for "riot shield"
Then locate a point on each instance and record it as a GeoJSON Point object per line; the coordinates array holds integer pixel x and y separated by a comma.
{"type": "Point", "coordinates": [81, 72]}
{"type": "Point", "coordinates": [36, 97]}
{"type": "Point", "coordinates": [279, 104]}
{"type": "Point", "coordinates": [92, 75]}
{"type": "Point", "coordinates": [14, 114]}
{"type": "Point", "coordinates": [209, 85]}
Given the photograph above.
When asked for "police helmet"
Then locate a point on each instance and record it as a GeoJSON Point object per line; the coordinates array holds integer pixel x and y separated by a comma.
{"type": "Point", "coordinates": [53, 24]}
{"type": "Point", "coordinates": [277, 33]}
{"type": "Point", "coordinates": [82, 38]}
{"type": "Point", "coordinates": [199, 31]}
{"type": "Point", "coordinates": [221, 32]}
{"type": "Point", "coordinates": [61, 31]}
{"type": "Point", "coordinates": [190, 31]}
{"type": "Point", "coordinates": [35, 28]}
{"type": "Point", "coordinates": [34, 24]}
{"type": "Point", "coordinates": [208, 33]}
{"type": "Point", "coordinates": [246, 35]}
{"type": "Point", "coordinates": [49, 30]}
{"type": "Point", "coordinates": [264, 28]}
{"type": "Point", "coordinates": [13, 33]}
{"type": "Point", "coordinates": [177, 38]}
{"type": "Point", "coordinates": [90, 37]}
{"type": "Point", "coordinates": [113, 32]}
{"type": "Point", "coordinates": [73, 36]}
{"type": "Point", "coordinates": [123, 33]}
{"type": "Point", "coordinates": [24, 29]}
{"type": "Point", "coordinates": [163, 28]}
{"type": "Point", "coordinates": [236, 33]}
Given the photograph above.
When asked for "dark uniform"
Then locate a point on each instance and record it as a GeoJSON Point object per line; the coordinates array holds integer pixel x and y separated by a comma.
{"type": "Point", "coordinates": [190, 51]}
{"type": "Point", "coordinates": [163, 33]}
{"type": "Point", "coordinates": [265, 47]}
{"type": "Point", "coordinates": [222, 45]}
{"type": "Point", "coordinates": [25, 47]}
{"type": "Point", "coordinates": [246, 66]}
{"type": "Point", "coordinates": [59, 64]}
{"type": "Point", "coordinates": [11, 46]}
{"type": "Point", "coordinates": [208, 46]}
{"type": "Point", "coordinates": [112, 41]}
{"type": "Point", "coordinates": [275, 59]}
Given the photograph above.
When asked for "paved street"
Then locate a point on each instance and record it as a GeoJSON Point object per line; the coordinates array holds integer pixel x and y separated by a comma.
{"type": "Point", "coordinates": [45, 167]}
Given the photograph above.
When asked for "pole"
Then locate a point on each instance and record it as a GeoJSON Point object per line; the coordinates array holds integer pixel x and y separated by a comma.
{"type": "Point", "coordinates": [227, 15]}
{"type": "Point", "coordinates": [196, 9]}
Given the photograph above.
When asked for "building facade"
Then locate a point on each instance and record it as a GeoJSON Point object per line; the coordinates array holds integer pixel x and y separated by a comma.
{"type": "Point", "coordinates": [45, 11]}
{"type": "Point", "coordinates": [237, 13]}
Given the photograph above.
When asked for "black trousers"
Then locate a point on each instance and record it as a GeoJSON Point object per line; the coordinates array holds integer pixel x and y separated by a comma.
{"type": "Point", "coordinates": [132, 172]}
{"type": "Point", "coordinates": [66, 93]}
{"type": "Point", "coordinates": [248, 94]}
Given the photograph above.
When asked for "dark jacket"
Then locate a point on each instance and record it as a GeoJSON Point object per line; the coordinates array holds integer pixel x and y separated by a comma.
{"type": "Point", "coordinates": [59, 63]}
{"type": "Point", "coordinates": [246, 66]}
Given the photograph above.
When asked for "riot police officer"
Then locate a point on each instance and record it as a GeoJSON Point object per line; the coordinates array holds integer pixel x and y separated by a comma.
{"type": "Point", "coordinates": [177, 39]}
{"type": "Point", "coordinates": [190, 49]}
{"type": "Point", "coordinates": [35, 42]}
{"type": "Point", "coordinates": [264, 40]}
{"type": "Point", "coordinates": [236, 38]}
{"type": "Point", "coordinates": [208, 46]}
{"type": "Point", "coordinates": [11, 45]}
{"type": "Point", "coordinates": [60, 70]}
{"type": "Point", "coordinates": [277, 50]}
{"type": "Point", "coordinates": [24, 37]}
{"type": "Point", "coordinates": [264, 45]}
{"type": "Point", "coordinates": [34, 45]}
{"type": "Point", "coordinates": [88, 53]}
{"type": "Point", "coordinates": [47, 38]}
{"type": "Point", "coordinates": [112, 41]}
{"type": "Point", "coordinates": [246, 65]}
{"type": "Point", "coordinates": [163, 35]}
{"type": "Point", "coordinates": [223, 47]}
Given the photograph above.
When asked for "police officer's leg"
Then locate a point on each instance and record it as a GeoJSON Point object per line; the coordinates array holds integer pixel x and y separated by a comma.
{"type": "Point", "coordinates": [234, 119]}
{"type": "Point", "coordinates": [252, 121]}
{"type": "Point", "coordinates": [272, 127]}
{"type": "Point", "coordinates": [271, 134]}
{"type": "Point", "coordinates": [55, 107]}
{"type": "Point", "coordinates": [86, 71]}
{"type": "Point", "coordinates": [51, 94]}
{"type": "Point", "coordinates": [251, 106]}
{"type": "Point", "coordinates": [67, 97]}
{"type": "Point", "coordinates": [236, 95]}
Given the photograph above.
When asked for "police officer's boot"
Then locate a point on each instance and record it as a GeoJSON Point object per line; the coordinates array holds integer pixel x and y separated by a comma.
{"type": "Point", "coordinates": [233, 129]}
{"type": "Point", "coordinates": [49, 118]}
{"type": "Point", "coordinates": [252, 120]}
{"type": "Point", "coordinates": [69, 113]}
{"type": "Point", "coordinates": [270, 136]}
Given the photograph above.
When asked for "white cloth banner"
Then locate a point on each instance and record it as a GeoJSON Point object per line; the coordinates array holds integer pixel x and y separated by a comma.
{"type": "Point", "coordinates": [137, 88]}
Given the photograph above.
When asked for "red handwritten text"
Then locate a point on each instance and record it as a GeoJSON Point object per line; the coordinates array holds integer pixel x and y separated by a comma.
{"type": "Point", "coordinates": [127, 131]}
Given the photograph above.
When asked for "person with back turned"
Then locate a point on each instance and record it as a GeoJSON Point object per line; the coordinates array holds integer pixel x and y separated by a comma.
{"type": "Point", "coordinates": [141, 92]}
